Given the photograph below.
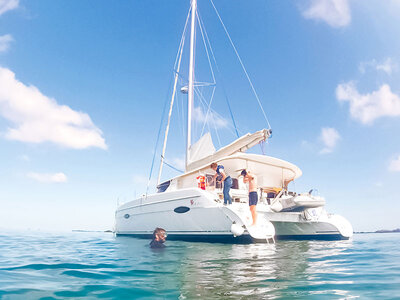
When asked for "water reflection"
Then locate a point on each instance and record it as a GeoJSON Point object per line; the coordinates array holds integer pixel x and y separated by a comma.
{"type": "Point", "coordinates": [101, 266]}
{"type": "Point", "coordinates": [286, 269]}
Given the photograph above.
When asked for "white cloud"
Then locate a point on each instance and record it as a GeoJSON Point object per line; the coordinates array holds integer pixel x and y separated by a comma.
{"type": "Point", "coordinates": [212, 118]}
{"type": "Point", "coordinates": [334, 12]}
{"type": "Point", "coordinates": [6, 5]}
{"type": "Point", "coordinates": [388, 66]}
{"type": "Point", "coordinates": [329, 137]}
{"type": "Point", "coordinates": [38, 118]}
{"type": "Point", "coordinates": [5, 41]}
{"type": "Point", "coordinates": [48, 178]}
{"type": "Point", "coordinates": [368, 107]}
{"type": "Point", "coordinates": [394, 165]}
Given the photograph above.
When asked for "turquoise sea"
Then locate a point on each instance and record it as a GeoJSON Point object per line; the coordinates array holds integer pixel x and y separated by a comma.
{"type": "Point", "coordinates": [99, 265]}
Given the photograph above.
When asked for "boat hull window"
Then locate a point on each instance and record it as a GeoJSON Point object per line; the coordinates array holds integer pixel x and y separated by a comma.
{"type": "Point", "coordinates": [181, 209]}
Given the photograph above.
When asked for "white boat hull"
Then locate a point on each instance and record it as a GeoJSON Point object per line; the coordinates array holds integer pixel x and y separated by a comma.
{"type": "Point", "coordinates": [197, 215]}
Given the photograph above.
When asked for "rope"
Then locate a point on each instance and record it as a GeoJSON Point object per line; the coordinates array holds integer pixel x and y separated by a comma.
{"type": "Point", "coordinates": [212, 73]}
{"type": "Point", "coordinates": [172, 167]}
{"type": "Point", "coordinates": [223, 86]}
{"type": "Point", "coordinates": [165, 105]}
{"type": "Point", "coordinates": [204, 103]}
{"type": "Point", "coordinates": [241, 63]}
{"type": "Point", "coordinates": [205, 46]}
{"type": "Point", "coordinates": [158, 138]}
{"type": "Point", "coordinates": [262, 147]}
{"type": "Point", "coordinates": [172, 101]}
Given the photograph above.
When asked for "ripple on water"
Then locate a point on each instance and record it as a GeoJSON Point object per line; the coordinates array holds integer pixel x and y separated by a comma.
{"type": "Point", "coordinates": [98, 265]}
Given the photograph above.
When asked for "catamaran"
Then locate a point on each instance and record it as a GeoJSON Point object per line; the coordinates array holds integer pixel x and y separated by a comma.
{"type": "Point", "coordinates": [190, 206]}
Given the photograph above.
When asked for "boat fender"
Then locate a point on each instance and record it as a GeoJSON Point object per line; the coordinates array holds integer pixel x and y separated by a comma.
{"type": "Point", "coordinates": [237, 230]}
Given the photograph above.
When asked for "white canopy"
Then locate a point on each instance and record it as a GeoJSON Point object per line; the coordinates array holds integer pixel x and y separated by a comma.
{"type": "Point", "coordinates": [270, 171]}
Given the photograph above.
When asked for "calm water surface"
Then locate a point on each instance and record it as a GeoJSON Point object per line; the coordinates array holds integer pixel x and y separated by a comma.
{"type": "Point", "coordinates": [99, 265]}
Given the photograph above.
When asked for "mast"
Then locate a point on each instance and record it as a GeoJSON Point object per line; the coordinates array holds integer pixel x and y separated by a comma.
{"type": "Point", "coordinates": [191, 79]}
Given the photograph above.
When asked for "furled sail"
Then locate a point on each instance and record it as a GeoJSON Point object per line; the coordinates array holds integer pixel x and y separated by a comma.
{"type": "Point", "coordinates": [198, 158]}
{"type": "Point", "coordinates": [204, 147]}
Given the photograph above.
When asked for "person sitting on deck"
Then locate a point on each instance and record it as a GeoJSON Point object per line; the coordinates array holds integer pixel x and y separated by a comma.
{"type": "Point", "coordinates": [222, 176]}
{"type": "Point", "coordinates": [159, 236]}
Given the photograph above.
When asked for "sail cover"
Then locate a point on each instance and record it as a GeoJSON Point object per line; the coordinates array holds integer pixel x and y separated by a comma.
{"type": "Point", "coordinates": [202, 148]}
{"type": "Point", "coordinates": [201, 153]}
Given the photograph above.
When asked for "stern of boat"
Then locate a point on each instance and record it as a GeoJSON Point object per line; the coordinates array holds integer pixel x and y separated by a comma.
{"type": "Point", "coordinates": [342, 224]}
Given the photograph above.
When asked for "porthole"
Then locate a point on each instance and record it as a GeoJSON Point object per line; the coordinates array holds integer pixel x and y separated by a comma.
{"type": "Point", "coordinates": [181, 209]}
{"type": "Point", "coordinates": [126, 216]}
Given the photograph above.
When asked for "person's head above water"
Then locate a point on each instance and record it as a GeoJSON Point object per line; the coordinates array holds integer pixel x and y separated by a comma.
{"type": "Point", "coordinates": [159, 235]}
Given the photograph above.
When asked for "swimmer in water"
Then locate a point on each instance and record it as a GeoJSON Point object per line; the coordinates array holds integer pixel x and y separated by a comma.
{"type": "Point", "coordinates": [159, 237]}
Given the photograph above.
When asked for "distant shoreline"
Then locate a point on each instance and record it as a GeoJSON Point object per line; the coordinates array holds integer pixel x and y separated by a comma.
{"type": "Point", "coordinates": [379, 231]}
{"type": "Point", "coordinates": [355, 232]}
{"type": "Point", "coordinates": [82, 230]}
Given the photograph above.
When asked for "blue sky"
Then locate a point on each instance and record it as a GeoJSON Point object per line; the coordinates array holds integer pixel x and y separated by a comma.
{"type": "Point", "coordinates": [83, 85]}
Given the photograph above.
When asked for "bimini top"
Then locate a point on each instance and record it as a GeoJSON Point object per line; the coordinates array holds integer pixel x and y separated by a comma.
{"type": "Point", "coordinates": [270, 171]}
{"type": "Point", "coordinates": [261, 165]}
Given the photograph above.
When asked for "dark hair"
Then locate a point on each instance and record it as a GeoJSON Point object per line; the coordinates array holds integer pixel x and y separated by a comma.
{"type": "Point", "coordinates": [244, 172]}
{"type": "Point", "coordinates": [158, 230]}
{"type": "Point", "coordinates": [213, 165]}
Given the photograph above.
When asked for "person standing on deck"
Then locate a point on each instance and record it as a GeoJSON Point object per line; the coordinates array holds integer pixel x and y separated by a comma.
{"type": "Point", "coordinates": [222, 176]}
{"type": "Point", "coordinates": [253, 196]}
